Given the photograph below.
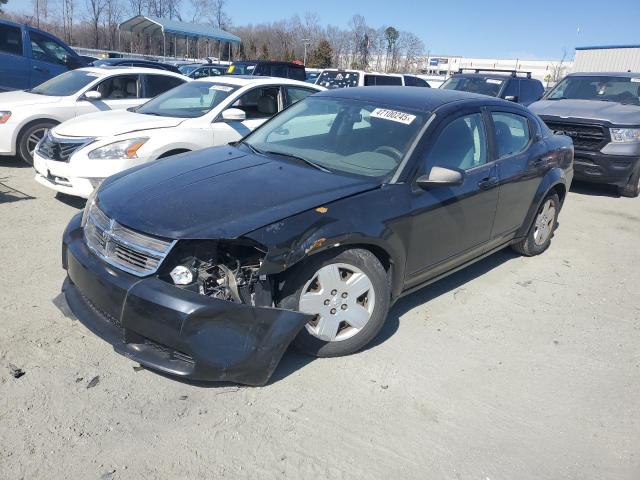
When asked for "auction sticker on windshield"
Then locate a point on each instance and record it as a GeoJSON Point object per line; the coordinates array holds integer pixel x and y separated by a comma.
{"type": "Point", "coordinates": [393, 115]}
{"type": "Point", "coordinates": [221, 88]}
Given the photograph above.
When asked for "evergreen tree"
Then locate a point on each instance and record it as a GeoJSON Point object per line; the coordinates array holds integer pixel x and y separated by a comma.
{"type": "Point", "coordinates": [321, 56]}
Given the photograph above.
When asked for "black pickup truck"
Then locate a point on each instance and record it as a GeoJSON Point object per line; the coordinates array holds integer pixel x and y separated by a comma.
{"type": "Point", "coordinates": [601, 113]}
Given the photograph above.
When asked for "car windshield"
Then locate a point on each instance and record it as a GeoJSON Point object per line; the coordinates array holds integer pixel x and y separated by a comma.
{"type": "Point", "coordinates": [341, 135]}
{"type": "Point", "coordinates": [187, 69]}
{"type": "Point", "coordinates": [484, 86]}
{"type": "Point", "coordinates": [189, 100]}
{"type": "Point", "coordinates": [598, 87]}
{"type": "Point", "coordinates": [242, 68]}
{"type": "Point", "coordinates": [333, 79]}
{"type": "Point", "coordinates": [66, 84]}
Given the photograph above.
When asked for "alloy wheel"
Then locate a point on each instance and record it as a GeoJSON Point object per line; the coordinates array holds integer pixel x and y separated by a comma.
{"type": "Point", "coordinates": [342, 299]}
{"type": "Point", "coordinates": [34, 138]}
{"type": "Point", "coordinates": [544, 223]}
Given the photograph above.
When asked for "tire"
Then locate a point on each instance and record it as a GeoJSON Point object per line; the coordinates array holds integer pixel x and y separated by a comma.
{"type": "Point", "coordinates": [30, 136]}
{"type": "Point", "coordinates": [542, 228]}
{"type": "Point", "coordinates": [347, 273]}
{"type": "Point", "coordinates": [632, 188]}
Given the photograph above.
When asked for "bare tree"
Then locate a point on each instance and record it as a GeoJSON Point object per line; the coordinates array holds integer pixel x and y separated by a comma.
{"type": "Point", "coordinates": [138, 7]}
{"type": "Point", "coordinates": [68, 10]}
{"type": "Point", "coordinates": [112, 16]}
{"type": "Point", "coordinates": [95, 9]}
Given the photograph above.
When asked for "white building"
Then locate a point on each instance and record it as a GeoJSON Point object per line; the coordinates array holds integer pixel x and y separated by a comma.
{"type": "Point", "coordinates": [618, 58]}
{"type": "Point", "coordinates": [547, 71]}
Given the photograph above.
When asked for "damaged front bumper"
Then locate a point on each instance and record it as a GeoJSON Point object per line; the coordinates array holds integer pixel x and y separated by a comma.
{"type": "Point", "coordinates": [175, 331]}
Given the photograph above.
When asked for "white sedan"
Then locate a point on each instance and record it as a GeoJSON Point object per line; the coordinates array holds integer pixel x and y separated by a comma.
{"type": "Point", "coordinates": [25, 116]}
{"type": "Point", "coordinates": [74, 157]}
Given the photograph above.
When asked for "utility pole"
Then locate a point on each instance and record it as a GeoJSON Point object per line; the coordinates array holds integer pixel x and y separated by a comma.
{"type": "Point", "coordinates": [307, 43]}
{"type": "Point", "coordinates": [38, 13]}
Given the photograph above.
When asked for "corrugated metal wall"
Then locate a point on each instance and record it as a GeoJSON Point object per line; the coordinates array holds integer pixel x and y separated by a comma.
{"type": "Point", "coordinates": [607, 60]}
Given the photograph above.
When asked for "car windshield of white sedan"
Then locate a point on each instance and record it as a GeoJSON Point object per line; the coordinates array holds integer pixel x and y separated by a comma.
{"type": "Point", "coordinates": [598, 87]}
{"type": "Point", "coordinates": [485, 86]}
{"type": "Point", "coordinates": [189, 100]}
{"type": "Point", "coordinates": [66, 84]}
{"type": "Point", "coordinates": [341, 135]}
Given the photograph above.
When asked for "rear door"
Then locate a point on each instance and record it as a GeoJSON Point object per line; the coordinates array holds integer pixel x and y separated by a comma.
{"type": "Point", "coordinates": [14, 65]}
{"type": "Point", "coordinates": [530, 91]}
{"type": "Point", "coordinates": [521, 154]}
{"type": "Point", "coordinates": [49, 57]}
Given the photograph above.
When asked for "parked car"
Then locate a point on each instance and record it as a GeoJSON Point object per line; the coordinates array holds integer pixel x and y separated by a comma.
{"type": "Point", "coordinates": [135, 62]}
{"type": "Point", "coordinates": [337, 78]}
{"type": "Point", "coordinates": [601, 114]}
{"type": "Point", "coordinates": [266, 68]}
{"type": "Point", "coordinates": [77, 155]}
{"type": "Point", "coordinates": [208, 265]}
{"type": "Point", "coordinates": [312, 74]}
{"type": "Point", "coordinates": [505, 84]}
{"type": "Point", "coordinates": [29, 56]}
{"type": "Point", "coordinates": [208, 71]}
{"type": "Point", "coordinates": [26, 116]}
{"type": "Point", "coordinates": [187, 68]}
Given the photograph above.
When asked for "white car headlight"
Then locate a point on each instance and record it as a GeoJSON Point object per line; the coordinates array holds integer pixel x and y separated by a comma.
{"type": "Point", "coordinates": [119, 150]}
{"type": "Point", "coordinates": [625, 135]}
{"type": "Point", "coordinates": [4, 116]}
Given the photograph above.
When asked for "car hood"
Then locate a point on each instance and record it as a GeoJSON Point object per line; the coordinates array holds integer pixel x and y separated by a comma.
{"type": "Point", "coordinates": [10, 100]}
{"type": "Point", "coordinates": [116, 122]}
{"type": "Point", "coordinates": [220, 192]}
{"type": "Point", "coordinates": [606, 112]}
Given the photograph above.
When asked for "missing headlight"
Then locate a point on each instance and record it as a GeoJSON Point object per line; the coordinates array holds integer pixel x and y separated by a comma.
{"type": "Point", "coordinates": [224, 270]}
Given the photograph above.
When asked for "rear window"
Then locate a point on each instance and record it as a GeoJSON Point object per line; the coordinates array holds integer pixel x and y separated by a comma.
{"type": "Point", "coordinates": [10, 40]}
{"type": "Point", "coordinates": [333, 79]}
{"type": "Point", "coordinates": [244, 68]}
{"type": "Point", "coordinates": [484, 86]}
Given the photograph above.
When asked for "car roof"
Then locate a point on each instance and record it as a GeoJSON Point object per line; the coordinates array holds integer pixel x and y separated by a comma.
{"type": "Point", "coordinates": [605, 74]}
{"type": "Point", "coordinates": [424, 99]}
{"type": "Point", "coordinates": [107, 70]}
{"type": "Point", "coordinates": [269, 62]}
{"type": "Point", "coordinates": [243, 80]}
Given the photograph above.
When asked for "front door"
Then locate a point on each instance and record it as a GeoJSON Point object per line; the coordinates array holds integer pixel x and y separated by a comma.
{"type": "Point", "coordinates": [119, 92]}
{"type": "Point", "coordinates": [259, 105]}
{"type": "Point", "coordinates": [453, 224]}
{"type": "Point", "coordinates": [49, 58]}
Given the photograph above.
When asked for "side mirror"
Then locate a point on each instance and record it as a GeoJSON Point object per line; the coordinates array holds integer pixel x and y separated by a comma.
{"type": "Point", "coordinates": [440, 177]}
{"type": "Point", "coordinates": [511, 98]}
{"type": "Point", "coordinates": [234, 115]}
{"type": "Point", "coordinates": [93, 96]}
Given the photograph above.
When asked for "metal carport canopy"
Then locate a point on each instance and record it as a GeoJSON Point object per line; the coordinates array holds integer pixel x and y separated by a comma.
{"type": "Point", "coordinates": [161, 26]}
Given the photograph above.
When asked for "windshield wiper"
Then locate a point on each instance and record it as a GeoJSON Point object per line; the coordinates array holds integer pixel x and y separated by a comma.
{"type": "Point", "coordinates": [244, 142]}
{"type": "Point", "coordinates": [300, 159]}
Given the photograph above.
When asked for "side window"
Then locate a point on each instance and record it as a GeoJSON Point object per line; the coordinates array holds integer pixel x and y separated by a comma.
{"type": "Point", "coordinates": [10, 40]}
{"type": "Point", "coordinates": [409, 81]}
{"type": "Point", "coordinates": [512, 133]}
{"type": "Point", "coordinates": [461, 144]}
{"type": "Point", "coordinates": [388, 80]}
{"type": "Point", "coordinates": [530, 91]}
{"type": "Point", "coordinates": [199, 73]}
{"type": "Point", "coordinates": [47, 50]}
{"type": "Point", "coordinates": [120, 87]}
{"type": "Point", "coordinates": [422, 83]}
{"type": "Point", "coordinates": [512, 89]}
{"type": "Point", "coordinates": [260, 69]}
{"type": "Point", "coordinates": [369, 80]}
{"type": "Point", "coordinates": [157, 84]}
{"type": "Point", "coordinates": [279, 71]}
{"type": "Point", "coordinates": [259, 102]}
{"type": "Point", "coordinates": [296, 73]}
{"type": "Point", "coordinates": [295, 94]}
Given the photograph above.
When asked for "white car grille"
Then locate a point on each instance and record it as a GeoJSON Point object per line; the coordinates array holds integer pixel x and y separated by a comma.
{"type": "Point", "coordinates": [60, 149]}
{"type": "Point", "coordinates": [126, 249]}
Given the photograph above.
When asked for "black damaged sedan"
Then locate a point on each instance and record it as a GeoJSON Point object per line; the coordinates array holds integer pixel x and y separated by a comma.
{"type": "Point", "coordinates": [208, 265]}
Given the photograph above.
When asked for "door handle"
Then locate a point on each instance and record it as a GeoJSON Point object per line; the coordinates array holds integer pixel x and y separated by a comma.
{"type": "Point", "coordinates": [487, 183]}
{"type": "Point", "coordinates": [40, 69]}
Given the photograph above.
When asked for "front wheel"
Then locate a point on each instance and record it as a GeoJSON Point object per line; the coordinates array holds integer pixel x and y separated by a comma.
{"type": "Point", "coordinates": [541, 231]}
{"type": "Point", "coordinates": [632, 188]}
{"type": "Point", "coordinates": [348, 294]}
{"type": "Point", "coordinates": [30, 137]}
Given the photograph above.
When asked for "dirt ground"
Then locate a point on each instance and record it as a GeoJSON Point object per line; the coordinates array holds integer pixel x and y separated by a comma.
{"type": "Point", "coordinates": [516, 368]}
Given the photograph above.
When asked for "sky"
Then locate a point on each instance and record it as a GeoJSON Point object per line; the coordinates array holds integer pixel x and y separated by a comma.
{"type": "Point", "coordinates": [539, 29]}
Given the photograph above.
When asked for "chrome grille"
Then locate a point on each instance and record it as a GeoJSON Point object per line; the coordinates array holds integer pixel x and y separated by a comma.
{"type": "Point", "coordinates": [60, 149]}
{"type": "Point", "coordinates": [122, 247]}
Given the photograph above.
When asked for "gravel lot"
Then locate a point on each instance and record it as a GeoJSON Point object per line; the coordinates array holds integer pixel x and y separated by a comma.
{"type": "Point", "coordinates": [513, 369]}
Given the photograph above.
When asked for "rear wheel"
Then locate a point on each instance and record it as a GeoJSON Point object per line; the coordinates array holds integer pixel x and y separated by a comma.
{"type": "Point", "coordinates": [541, 231]}
{"type": "Point", "coordinates": [30, 137]}
{"type": "Point", "coordinates": [631, 189]}
{"type": "Point", "coordinates": [348, 294]}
